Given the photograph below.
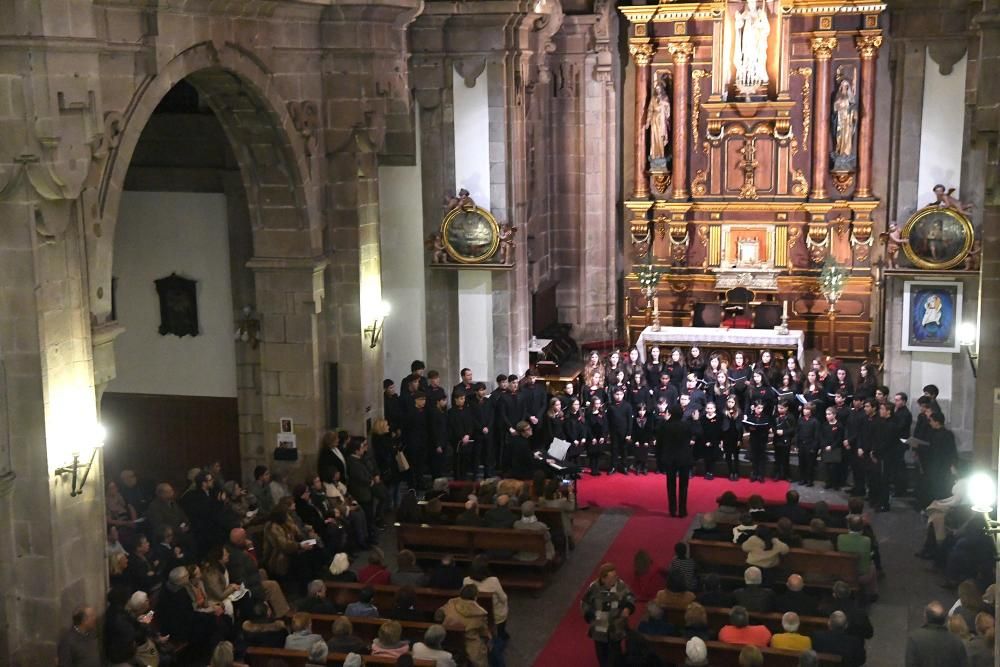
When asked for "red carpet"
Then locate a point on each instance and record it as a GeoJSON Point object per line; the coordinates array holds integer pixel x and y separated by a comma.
{"type": "Point", "coordinates": [651, 528]}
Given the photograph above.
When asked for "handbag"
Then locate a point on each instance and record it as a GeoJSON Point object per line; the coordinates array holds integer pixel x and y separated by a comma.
{"type": "Point", "coordinates": [401, 461]}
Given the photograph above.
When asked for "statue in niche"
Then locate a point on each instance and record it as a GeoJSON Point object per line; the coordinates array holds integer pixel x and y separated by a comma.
{"type": "Point", "coordinates": [845, 124]}
{"type": "Point", "coordinates": [752, 30]}
{"type": "Point", "coordinates": [658, 124]}
{"type": "Point", "coordinates": [505, 253]}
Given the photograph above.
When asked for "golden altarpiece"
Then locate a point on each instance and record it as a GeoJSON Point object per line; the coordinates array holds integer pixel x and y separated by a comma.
{"type": "Point", "coordinates": [752, 161]}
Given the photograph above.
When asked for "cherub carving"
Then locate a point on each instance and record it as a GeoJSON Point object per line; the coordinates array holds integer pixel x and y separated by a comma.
{"type": "Point", "coordinates": [461, 200]}
{"type": "Point", "coordinates": [505, 253]}
{"type": "Point", "coordinates": [946, 200]}
{"type": "Point", "coordinates": [436, 243]}
{"type": "Point", "coordinates": [893, 241]}
{"type": "Point", "coordinates": [972, 259]}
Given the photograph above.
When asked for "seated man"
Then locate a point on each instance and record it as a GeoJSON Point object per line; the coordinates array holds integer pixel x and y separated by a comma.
{"type": "Point", "coordinates": [790, 639]}
{"type": "Point", "coordinates": [529, 521]}
{"type": "Point", "coordinates": [754, 596]}
{"type": "Point", "coordinates": [740, 632]}
{"type": "Point", "coordinates": [837, 641]}
{"type": "Point", "coordinates": [710, 530]}
{"type": "Point", "coordinates": [302, 637]}
{"type": "Point", "coordinates": [316, 601]}
{"type": "Point", "coordinates": [712, 594]}
{"type": "Point", "coordinates": [856, 542]}
{"type": "Point", "coordinates": [363, 607]}
{"type": "Point", "coordinates": [470, 517]}
{"type": "Point", "coordinates": [798, 515]}
{"type": "Point", "coordinates": [858, 622]}
{"type": "Point", "coordinates": [796, 599]}
{"type": "Point", "coordinates": [500, 516]}
{"type": "Point", "coordinates": [343, 639]}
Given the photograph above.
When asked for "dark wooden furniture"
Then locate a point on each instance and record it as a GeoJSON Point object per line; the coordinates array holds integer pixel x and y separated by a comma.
{"type": "Point", "coordinates": [367, 629]}
{"type": "Point", "coordinates": [719, 616]}
{"type": "Point", "coordinates": [429, 600]}
{"type": "Point", "coordinates": [550, 517]}
{"type": "Point", "coordinates": [825, 564]}
{"type": "Point", "coordinates": [671, 650]}
{"type": "Point", "coordinates": [279, 657]}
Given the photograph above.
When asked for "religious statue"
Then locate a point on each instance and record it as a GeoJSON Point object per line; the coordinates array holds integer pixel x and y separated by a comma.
{"type": "Point", "coordinates": [845, 124]}
{"type": "Point", "coordinates": [893, 242]}
{"type": "Point", "coordinates": [946, 200]}
{"type": "Point", "coordinates": [658, 124]}
{"type": "Point", "coordinates": [505, 253]}
{"type": "Point", "coordinates": [436, 243]}
{"type": "Point", "coordinates": [752, 30]}
{"type": "Point", "coordinates": [461, 200]}
{"type": "Point", "coordinates": [972, 259]}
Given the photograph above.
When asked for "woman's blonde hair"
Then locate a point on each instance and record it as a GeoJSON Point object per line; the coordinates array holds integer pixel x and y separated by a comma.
{"type": "Point", "coordinates": [223, 655]}
{"type": "Point", "coordinates": [958, 626]}
{"type": "Point", "coordinates": [380, 427]}
{"type": "Point", "coordinates": [389, 633]}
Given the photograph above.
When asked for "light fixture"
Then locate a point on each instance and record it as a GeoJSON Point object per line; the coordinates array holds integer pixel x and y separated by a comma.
{"type": "Point", "coordinates": [248, 327]}
{"type": "Point", "coordinates": [374, 330]}
{"type": "Point", "coordinates": [81, 471]}
{"type": "Point", "coordinates": [981, 491]}
{"type": "Point", "coordinates": [968, 335]}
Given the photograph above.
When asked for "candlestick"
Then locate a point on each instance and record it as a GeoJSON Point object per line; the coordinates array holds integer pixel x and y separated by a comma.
{"type": "Point", "coordinates": [784, 308]}
{"type": "Point", "coordinates": [656, 313]}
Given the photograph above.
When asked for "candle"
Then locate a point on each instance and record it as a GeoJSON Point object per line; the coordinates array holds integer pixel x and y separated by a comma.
{"type": "Point", "coordinates": [656, 305]}
{"type": "Point", "coordinates": [784, 309]}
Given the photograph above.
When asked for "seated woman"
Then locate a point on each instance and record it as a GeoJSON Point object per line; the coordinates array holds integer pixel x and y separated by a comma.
{"type": "Point", "coordinates": [405, 606]}
{"type": "Point", "coordinates": [343, 639]}
{"type": "Point", "coordinates": [696, 622]}
{"type": "Point", "coordinates": [408, 573]}
{"type": "Point", "coordinates": [389, 642]}
{"type": "Point", "coordinates": [676, 595]}
{"type": "Point", "coordinates": [340, 570]}
{"type": "Point", "coordinates": [215, 576]}
{"type": "Point", "coordinates": [261, 629]}
{"type": "Point", "coordinates": [818, 538]}
{"type": "Point", "coordinates": [729, 509]}
{"type": "Point", "coordinates": [763, 549]}
{"type": "Point", "coordinates": [375, 573]}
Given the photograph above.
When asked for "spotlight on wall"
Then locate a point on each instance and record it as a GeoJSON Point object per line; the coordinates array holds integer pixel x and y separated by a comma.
{"type": "Point", "coordinates": [981, 492]}
{"type": "Point", "coordinates": [248, 327]}
{"type": "Point", "coordinates": [80, 471]}
{"type": "Point", "coordinates": [968, 335]}
{"type": "Point", "coordinates": [374, 330]}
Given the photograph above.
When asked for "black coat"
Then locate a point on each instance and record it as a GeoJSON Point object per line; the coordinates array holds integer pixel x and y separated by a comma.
{"type": "Point", "coordinates": [532, 401]}
{"type": "Point", "coordinates": [620, 419]}
{"type": "Point", "coordinates": [329, 462]}
{"type": "Point", "coordinates": [807, 435]}
{"type": "Point", "coordinates": [415, 430]}
{"type": "Point", "coordinates": [521, 458]}
{"type": "Point", "coordinates": [850, 649]}
{"type": "Point", "coordinates": [359, 480]}
{"type": "Point", "coordinates": [461, 423]}
{"type": "Point", "coordinates": [673, 443]}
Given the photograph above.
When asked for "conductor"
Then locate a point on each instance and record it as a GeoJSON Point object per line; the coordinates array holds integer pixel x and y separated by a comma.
{"type": "Point", "coordinates": [674, 455]}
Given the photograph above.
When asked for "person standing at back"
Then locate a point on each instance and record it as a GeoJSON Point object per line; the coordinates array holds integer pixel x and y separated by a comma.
{"type": "Point", "coordinates": [933, 645]}
{"type": "Point", "coordinates": [674, 456]}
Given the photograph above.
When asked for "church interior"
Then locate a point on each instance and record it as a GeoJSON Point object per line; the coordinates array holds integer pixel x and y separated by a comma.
{"type": "Point", "coordinates": [570, 331]}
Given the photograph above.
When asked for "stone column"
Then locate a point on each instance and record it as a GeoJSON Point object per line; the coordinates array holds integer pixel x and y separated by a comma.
{"type": "Point", "coordinates": [823, 46]}
{"type": "Point", "coordinates": [681, 51]}
{"type": "Point", "coordinates": [868, 44]}
{"type": "Point", "coordinates": [641, 54]}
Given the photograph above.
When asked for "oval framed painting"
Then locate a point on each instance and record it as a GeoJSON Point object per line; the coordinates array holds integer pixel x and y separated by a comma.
{"type": "Point", "coordinates": [937, 238]}
{"type": "Point", "coordinates": [470, 235]}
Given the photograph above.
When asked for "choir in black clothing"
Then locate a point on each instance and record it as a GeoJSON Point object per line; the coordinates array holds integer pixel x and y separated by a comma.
{"type": "Point", "coordinates": [627, 412]}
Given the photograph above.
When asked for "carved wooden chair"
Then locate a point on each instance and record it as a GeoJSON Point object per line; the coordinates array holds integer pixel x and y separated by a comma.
{"type": "Point", "coordinates": [737, 306]}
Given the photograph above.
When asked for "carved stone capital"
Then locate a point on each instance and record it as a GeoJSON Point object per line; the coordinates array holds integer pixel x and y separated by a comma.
{"type": "Point", "coordinates": [823, 47]}
{"type": "Point", "coordinates": [642, 53]}
{"type": "Point", "coordinates": [681, 51]}
{"type": "Point", "coordinates": [868, 45]}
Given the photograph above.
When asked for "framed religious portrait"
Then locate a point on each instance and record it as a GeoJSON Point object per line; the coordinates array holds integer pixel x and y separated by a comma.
{"type": "Point", "coordinates": [937, 237]}
{"type": "Point", "coordinates": [178, 305]}
{"type": "Point", "coordinates": [932, 312]}
{"type": "Point", "coordinates": [470, 234]}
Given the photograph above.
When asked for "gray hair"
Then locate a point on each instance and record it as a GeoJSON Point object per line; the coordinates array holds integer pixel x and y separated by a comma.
{"type": "Point", "coordinates": [838, 620]}
{"type": "Point", "coordinates": [178, 576]}
{"type": "Point", "coordinates": [138, 603]}
{"type": "Point", "coordinates": [434, 636]}
{"type": "Point", "coordinates": [752, 575]}
{"type": "Point", "coordinates": [654, 610]}
{"type": "Point", "coordinates": [790, 621]}
{"type": "Point", "coordinates": [739, 617]}
{"type": "Point", "coordinates": [315, 586]}
{"type": "Point", "coordinates": [318, 652]}
{"type": "Point", "coordinates": [808, 659]}
{"type": "Point", "coordinates": [708, 520]}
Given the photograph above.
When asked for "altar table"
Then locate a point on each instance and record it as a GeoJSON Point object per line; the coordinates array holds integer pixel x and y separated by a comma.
{"type": "Point", "coordinates": [708, 337]}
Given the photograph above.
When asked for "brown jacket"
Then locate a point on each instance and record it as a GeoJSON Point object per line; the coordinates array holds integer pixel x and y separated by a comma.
{"type": "Point", "coordinates": [280, 542]}
{"type": "Point", "coordinates": [467, 615]}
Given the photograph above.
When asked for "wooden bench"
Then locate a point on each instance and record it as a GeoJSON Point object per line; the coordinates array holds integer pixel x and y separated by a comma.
{"type": "Point", "coordinates": [830, 564]}
{"type": "Point", "coordinates": [279, 657]}
{"type": "Point", "coordinates": [672, 651]}
{"type": "Point", "coordinates": [429, 600]}
{"type": "Point", "coordinates": [367, 629]}
{"type": "Point", "coordinates": [465, 543]}
{"type": "Point", "coordinates": [835, 510]}
{"type": "Point", "coordinates": [550, 517]}
{"type": "Point", "coordinates": [801, 529]}
{"type": "Point", "coordinates": [719, 616]}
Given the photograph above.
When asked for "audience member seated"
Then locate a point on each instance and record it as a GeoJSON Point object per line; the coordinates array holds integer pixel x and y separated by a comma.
{"type": "Point", "coordinates": [763, 549]}
{"type": "Point", "coordinates": [389, 642]}
{"type": "Point", "coordinates": [744, 529]}
{"type": "Point", "coordinates": [177, 615]}
{"type": "Point", "coordinates": [858, 622]}
{"type": "Point", "coordinates": [215, 577]}
{"type": "Point", "coordinates": [433, 514]}
{"type": "Point", "coordinates": [676, 595]}
{"type": "Point", "coordinates": [712, 594]}
{"type": "Point", "coordinates": [792, 510]}
{"type": "Point", "coordinates": [114, 546]}
{"type": "Point", "coordinates": [464, 613]}
{"type": "Point", "coordinates": [837, 641]}
{"type": "Point", "coordinates": [808, 659]}
{"type": "Point", "coordinates": [729, 509]}
{"type": "Point", "coordinates": [796, 599]}
{"type": "Point", "coordinates": [375, 573]}
{"type": "Point", "coordinates": [818, 539]}
{"type": "Point", "coordinates": [754, 596]}
{"type": "Point", "coordinates": [854, 542]}
{"type": "Point", "coordinates": [262, 629]}
{"type": "Point", "coordinates": [684, 566]}
{"type": "Point", "coordinates": [969, 603]}
{"type": "Point", "coordinates": [404, 607]}
{"type": "Point", "coordinates": [363, 606]}
{"type": "Point", "coordinates": [316, 600]}
{"type": "Point", "coordinates": [481, 577]}
{"type": "Point", "coordinates": [141, 573]}
{"type": "Point", "coordinates": [318, 653]}
{"type": "Point", "coordinates": [430, 648]}
{"type": "Point", "coordinates": [822, 511]}
{"type": "Point", "coordinates": [301, 637]}
{"type": "Point", "coordinates": [343, 639]}
{"type": "Point", "coordinates": [933, 645]}
{"type": "Point", "coordinates": [166, 554]}
{"type": "Point", "coordinates": [135, 494]}
{"type": "Point", "coordinates": [470, 516]}
{"type": "Point", "coordinates": [243, 569]}
{"type": "Point", "coordinates": [340, 570]}
{"type": "Point", "coordinates": [758, 510]}
{"type": "Point", "coordinates": [446, 575]}
{"type": "Point", "coordinates": [751, 656]}
{"type": "Point", "coordinates": [709, 530]}
{"type": "Point", "coordinates": [790, 639]}
{"type": "Point", "coordinates": [151, 647]}
{"type": "Point", "coordinates": [739, 631]}
{"type": "Point", "coordinates": [973, 554]}
{"type": "Point", "coordinates": [785, 531]}
{"type": "Point", "coordinates": [696, 653]}
{"type": "Point", "coordinates": [529, 521]}
{"type": "Point", "coordinates": [120, 632]}
{"type": "Point", "coordinates": [654, 622]}
{"type": "Point", "coordinates": [980, 646]}
{"type": "Point", "coordinates": [556, 497]}
{"type": "Point", "coordinates": [282, 543]}
{"type": "Point", "coordinates": [696, 622]}
{"type": "Point", "coordinates": [500, 516]}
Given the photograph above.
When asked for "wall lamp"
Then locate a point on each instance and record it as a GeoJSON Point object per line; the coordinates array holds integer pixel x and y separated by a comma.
{"type": "Point", "coordinates": [968, 334]}
{"type": "Point", "coordinates": [80, 471]}
{"type": "Point", "coordinates": [981, 492]}
{"type": "Point", "coordinates": [374, 330]}
{"type": "Point", "coordinates": [248, 327]}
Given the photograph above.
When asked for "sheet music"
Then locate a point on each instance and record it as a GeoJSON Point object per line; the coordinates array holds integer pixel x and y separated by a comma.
{"type": "Point", "coordinates": [559, 448]}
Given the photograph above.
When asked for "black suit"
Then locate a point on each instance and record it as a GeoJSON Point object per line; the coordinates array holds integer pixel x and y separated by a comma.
{"type": "Point", "coordinates": [330, 462]}
{"type": "Point", "coordinates": [755, 598]}
{"type": "Point", "coordinates": [521, 458]}
{"type": "Point", "coordinates": [837, 642]}
{"type": "Point", "coordinates": [674, 456]}
{"type": "Point", "coordinates": [798, 601]}
{"type": "Point", "coordinates": [415, 444]}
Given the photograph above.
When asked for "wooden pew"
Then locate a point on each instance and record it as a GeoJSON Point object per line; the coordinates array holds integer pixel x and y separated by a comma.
{"type": "Point", "coordinates": [367, 629]}
{"type": "Point", "coordinates": [835, 510]}
{"type": "Point", "coordinates": [550, 517]}
{"type": "Point", "coordinates": [279, 657]}
{"type": "Point", "coordinates": [429, 600]}
{"type": "Point", "coordinates": [434, 542]}
{"type": "Point", "coordinates": [801, 529]}
{"type": "Point", "coordinates": [671, 650]}
{"type": "Point", "coordinates": [830, 564]}
{"type": "Point", "coordinates": [719, 616]}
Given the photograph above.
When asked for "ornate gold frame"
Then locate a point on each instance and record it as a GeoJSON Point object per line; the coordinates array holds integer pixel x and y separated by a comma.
{"type": "Point", "coordinates": [920, 262]}
{"type": "Point", "coordinates": [464, 259]}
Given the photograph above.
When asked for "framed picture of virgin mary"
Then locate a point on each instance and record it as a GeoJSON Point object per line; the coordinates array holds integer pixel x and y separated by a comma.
{"type": "Point", "coordinates": [932, 312]}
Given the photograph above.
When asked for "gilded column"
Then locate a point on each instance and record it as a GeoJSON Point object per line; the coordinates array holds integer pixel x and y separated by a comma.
{"type": "Point", "coordinates": [642, 54]}
{"type": "Point", "coordinates": [868, 44]}
{"type": "Point", "coordinates": [822, 46]}
{"type": "Point", "coordinates": [681, 51]}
